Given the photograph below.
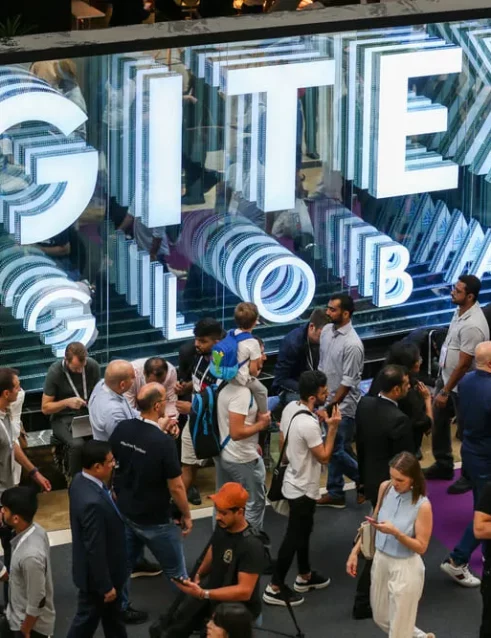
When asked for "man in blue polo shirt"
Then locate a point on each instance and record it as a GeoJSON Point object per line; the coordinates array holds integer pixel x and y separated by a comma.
{"type": "Point", "coordinates": [149, 474]}
{"type": "Point", "coordinates": [475, 416]}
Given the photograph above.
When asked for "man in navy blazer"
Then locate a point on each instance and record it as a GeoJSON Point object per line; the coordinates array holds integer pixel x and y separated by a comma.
{"type": "Point", "coordinates": [98, 546]}
{"type": "Point", "coordinates": [299, 351]}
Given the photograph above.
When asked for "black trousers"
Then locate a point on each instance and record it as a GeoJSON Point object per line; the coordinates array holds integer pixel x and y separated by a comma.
{"type": "Point", "coordinates": [441, 441]}
{"type": "Point", "coordinates": [296, 540]}
{"type": "Point", "coordinates": [190, 616]}
{"type": "Point", "coordinates": [91, 610]}
{"type": "Point", "coordinates": [362, 596]}
{"type": "Point", "coordinates": [486, 602]}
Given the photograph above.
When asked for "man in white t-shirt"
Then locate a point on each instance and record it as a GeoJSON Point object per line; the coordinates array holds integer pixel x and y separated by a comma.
{"type": "Point", "coordinates": [240, 460]}
{"type": "Point", "coordinates": [306, 452]}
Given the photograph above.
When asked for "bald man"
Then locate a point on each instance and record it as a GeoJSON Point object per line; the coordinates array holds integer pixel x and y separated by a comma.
{"type": "Point", "coordinates": [475, 416]}
{"type": "Point", "coordinates": [148, 475]}
{"type": "Point", "coordinates": [108, 405]}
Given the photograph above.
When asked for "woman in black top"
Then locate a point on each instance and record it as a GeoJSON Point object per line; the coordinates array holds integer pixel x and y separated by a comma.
{"type": "Point", "coordinates": [417, 403]}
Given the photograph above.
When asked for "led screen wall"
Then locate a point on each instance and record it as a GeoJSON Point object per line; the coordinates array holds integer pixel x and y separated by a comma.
{"type": "Point", "coordinates": [141, 191]}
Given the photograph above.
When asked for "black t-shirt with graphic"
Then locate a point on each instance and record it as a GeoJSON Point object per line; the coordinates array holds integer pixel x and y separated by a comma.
{"type": "Point", "coordinates": [234, 553]}
{"type": "Point", "coordinates": [484, 506]}
{"type": "Point", "coordinates": [194, 367]}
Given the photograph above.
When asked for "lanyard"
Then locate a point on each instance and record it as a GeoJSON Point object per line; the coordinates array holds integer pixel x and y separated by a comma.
{"type": "Point", "coordinates": [197, 386]}
{"type": "Point", "coordinates": [72, 385]}
{"type": "Point", "coordinates": [5, 429]}
{"type": "Point", "coordinates": [22, 539]}
{"type": "Point", "coordinates": [310, 359]}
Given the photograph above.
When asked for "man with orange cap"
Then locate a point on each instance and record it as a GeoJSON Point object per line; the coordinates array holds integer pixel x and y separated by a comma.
{"type": "Point", "coordinates": [231, 567]}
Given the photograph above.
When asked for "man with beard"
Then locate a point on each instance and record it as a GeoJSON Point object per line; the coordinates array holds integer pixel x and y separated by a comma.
{"type": "Point", "coordinates": [467, 329]}
{"type": "Point", "coordinates": [230, 569]}
{"type": "Point", "coordinates": [30, 611]}
{"type": "Point", "coordinates": [194, 376]}
{"type": "Point", "coordinates": [306, 452]}
{"type": "Point", "coordinates": [341, 359]}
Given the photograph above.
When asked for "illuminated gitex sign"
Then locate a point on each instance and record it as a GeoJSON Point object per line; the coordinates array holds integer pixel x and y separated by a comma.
{"type": "Point", "coordinates": [146, 151]}
{"type": "Point", "coordinates": [48, 211]}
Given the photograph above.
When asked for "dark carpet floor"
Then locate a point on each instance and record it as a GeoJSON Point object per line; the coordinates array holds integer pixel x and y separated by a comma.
{"type": "Point", "coordinates": [445, 609]}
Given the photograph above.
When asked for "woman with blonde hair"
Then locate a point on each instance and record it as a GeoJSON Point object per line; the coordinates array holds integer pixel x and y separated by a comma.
{"type": "Point", "coordinates": [403, 521]}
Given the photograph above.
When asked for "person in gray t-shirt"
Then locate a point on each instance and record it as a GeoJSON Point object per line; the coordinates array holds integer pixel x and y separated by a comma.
{"type": "Point", "coordinates": [30, 609]}
{"type": "Point", "coordinates": [67, 389]}
{"type": "Point", "coordinates": [467, 329]}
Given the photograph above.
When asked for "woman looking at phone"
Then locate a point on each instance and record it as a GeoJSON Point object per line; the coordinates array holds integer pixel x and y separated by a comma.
{"type": "Point", "coordinates": [403, 521]}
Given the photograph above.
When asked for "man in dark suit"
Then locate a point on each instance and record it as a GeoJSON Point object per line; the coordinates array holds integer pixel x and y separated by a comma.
{"type": "Point", "coordinates": [100, 566]}
{"type": "Point", "coordinates": [382, 431]}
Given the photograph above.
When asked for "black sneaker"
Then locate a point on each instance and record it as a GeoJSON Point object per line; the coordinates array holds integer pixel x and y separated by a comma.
{"type": "Point", "coordinates": [133, 616]}
{"type": "Point", "coordinates": [193, 495]}
{"type": "Point", "coordinates": [272, 597]}
{"type": "Point", "coordinates": [438, 472]}
{"type": "Point", "coordinates": [316, 582]}
{"type": "Point", "coordinates": [461, 486]}
{"type": "Point", "coordinates": [146, 568]}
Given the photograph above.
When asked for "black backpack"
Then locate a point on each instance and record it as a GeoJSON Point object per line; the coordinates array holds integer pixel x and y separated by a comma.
{"type": "Point", "coordinates": [203, 422]}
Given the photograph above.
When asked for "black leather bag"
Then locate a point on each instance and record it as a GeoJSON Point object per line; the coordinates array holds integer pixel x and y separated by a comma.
{"type": "Point", "coordinates": [275, 491]}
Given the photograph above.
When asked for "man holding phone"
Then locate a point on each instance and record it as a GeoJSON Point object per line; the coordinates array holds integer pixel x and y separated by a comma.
{"type": "Point", "coordinates": [148, 476]}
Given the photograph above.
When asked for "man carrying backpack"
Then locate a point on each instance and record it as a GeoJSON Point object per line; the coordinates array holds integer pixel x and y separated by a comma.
{"type": "Point", "coordinates": [230, 570]}
{"type": "Point", "coordinates": [240, 460]}
{"type": "Point", "coordinates": [194, 378]}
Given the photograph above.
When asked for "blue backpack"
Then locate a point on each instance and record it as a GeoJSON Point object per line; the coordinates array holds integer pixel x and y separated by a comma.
{"type": "Point", "coordinates": [224, 364]}
{"type": "Point", "coordinates": [203, 423]}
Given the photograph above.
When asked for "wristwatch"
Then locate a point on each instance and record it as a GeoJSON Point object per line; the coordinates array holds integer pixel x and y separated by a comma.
{"type": "Point", "coordinates": [444, 393]}
{"type": "Point", "coordinates": [206, 594]}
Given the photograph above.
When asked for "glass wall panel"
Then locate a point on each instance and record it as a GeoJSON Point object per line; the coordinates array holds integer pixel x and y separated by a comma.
{"type": "Point", "coordinates": [142, 191]}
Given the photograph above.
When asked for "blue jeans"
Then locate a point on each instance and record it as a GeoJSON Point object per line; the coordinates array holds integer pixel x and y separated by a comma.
{"type": "Point", "coordinates": [165, 543]}
{"type": "Point", "coordinates": [479, 472]}
{"type": "Point", "coordinates": [342, 463]}
{"type": "Point", "coordinates": [252, 476]}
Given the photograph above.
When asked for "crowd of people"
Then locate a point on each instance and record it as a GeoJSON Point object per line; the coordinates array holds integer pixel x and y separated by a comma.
{"type": "Point", "coordinates": [132, 480]}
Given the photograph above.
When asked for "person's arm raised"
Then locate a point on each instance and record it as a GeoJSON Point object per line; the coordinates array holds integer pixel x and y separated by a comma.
{"type": "Point", "coordinates": [323, 452]}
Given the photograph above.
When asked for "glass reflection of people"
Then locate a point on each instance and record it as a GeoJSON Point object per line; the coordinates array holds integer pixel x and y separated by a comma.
{"type": "Point", "coordinates": [59, 249]}
{"type": "Point", "coordinates": [62, 75]}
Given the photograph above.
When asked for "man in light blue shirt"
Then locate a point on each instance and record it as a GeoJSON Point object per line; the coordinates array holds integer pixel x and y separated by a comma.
{"type": "Point", "coordinates": [341, 359]}
{"type": "Point", "coordinates": [108, 405]}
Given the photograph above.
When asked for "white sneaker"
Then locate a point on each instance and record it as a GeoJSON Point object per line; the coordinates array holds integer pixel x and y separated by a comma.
{"type": "Point", "coordinates": [461, 574]}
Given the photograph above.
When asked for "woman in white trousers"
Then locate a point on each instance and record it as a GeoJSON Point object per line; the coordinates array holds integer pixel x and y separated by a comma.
{"type": "Point", "coordinates": [403, 520]}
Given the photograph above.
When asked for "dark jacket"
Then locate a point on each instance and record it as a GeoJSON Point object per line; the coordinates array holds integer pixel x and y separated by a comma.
{"type": "Point", "coordinates": [294, 357]}
{"type": "Point", "coordinates": [382, 431]}
{"type": "Point", "coordinates": [98, 539]}
{"type": "Point", "coordinates": [413, 404]}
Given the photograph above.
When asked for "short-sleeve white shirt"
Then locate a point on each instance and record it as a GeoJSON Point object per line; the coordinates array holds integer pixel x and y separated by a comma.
{"type": "Point", "coordinates": [247, 350]}
{"type": "Point", "coordinates": [237, 399]}
{"type": "Point", "coordinates": [302, 476]}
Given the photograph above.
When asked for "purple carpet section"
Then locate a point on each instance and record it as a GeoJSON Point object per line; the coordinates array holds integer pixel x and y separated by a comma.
{"type": "Point", "coordinates": [451, 514]}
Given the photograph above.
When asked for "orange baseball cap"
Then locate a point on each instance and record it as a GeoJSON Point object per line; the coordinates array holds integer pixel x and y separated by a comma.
{"type": "Point", "coordinates": [229, 496]}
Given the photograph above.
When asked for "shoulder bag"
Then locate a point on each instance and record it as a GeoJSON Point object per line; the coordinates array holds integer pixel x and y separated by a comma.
{"type": "Point", "coordinates": [367, 532]}
{"type": "Point", "coordinates": [275, 492]}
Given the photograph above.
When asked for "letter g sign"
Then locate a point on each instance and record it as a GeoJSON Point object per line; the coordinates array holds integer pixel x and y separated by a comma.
{"type": "Point", "coordinates": [63, 169]}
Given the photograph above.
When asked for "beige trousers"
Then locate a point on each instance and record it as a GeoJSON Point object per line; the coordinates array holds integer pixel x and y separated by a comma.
{"type": "Point", "coordinates": [397, 585]}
